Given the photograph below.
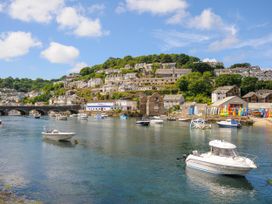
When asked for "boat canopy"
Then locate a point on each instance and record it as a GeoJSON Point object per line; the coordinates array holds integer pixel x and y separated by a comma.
{"type": "Point", "coordinates": [221, 144]}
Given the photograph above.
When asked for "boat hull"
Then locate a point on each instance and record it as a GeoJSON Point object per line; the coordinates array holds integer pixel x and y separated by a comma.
{"type": "Point", "coordinates": [143, 123]}
{"type": "Point", "coordinates": [58, 136]}
{"type": "Point", "coordinates": [216, 168]}
{"type": "Point", "coordinates": [228, 125]}
{"type": "Point", "coordinates": [156, 121]}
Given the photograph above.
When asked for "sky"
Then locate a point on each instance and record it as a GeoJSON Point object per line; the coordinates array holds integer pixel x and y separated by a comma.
{"type": "Point", "coordinates": [49, 39]}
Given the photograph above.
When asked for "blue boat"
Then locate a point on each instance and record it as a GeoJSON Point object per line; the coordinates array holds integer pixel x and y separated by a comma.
{"type": "Point", "coordinates": [123, 117]}
{"type": "Point", "coordinates": [229, 123]}
{"type": "Point", "coordinates": [99, 116]}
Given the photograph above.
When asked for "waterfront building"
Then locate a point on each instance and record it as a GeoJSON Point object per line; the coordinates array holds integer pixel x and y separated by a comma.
{"type": "Point", "coordinates": [104, 106]}
{"type": "Point", "coordinates": [152, 105]}
{"type": "Point", "coordinates": [260, 96]}
{"type": "Point", "coordinates": [225, 91]}
{"type": "Point", "coordinates": [172, 100]}
{"type": "Point", "coordinates": [230, 103]}
{"type": "Point", "coordinates": [100, 106]}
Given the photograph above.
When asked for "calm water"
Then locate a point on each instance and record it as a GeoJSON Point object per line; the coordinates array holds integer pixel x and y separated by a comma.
{"type": "Point", "coordinates": [118, 162]}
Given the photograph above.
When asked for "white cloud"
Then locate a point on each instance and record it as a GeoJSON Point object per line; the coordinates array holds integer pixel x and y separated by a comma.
{"type": "Point", "coordinates": [256, 42]}
{"type": "Point", "coordinates": [228, 42]}
{"type": "Point", "coordinates": [156, 6]}
{"type": "Point", "coordinates": [1, 7]}
{"type": "Point", "coordinates": [175, 39]}
{"type": "Point", "coordinates": [34, 10]}
{"type": "Point", "coordinates": [15, 44]}
{"type": "Point", "coordinates": [80, 25]}
{"type": "Point", "coordinates": [58, 53]}
{"type": "Point", "coordinates": [97, 8]}
{"type": "Point", "coordinates": [207, 20]}
{"type": "Point", "coordinates": [77, 67]}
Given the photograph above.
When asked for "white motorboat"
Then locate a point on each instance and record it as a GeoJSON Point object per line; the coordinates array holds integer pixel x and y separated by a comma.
{"type": "Point", "coordinates": [61, 117]}
{"type": "Point", "coordinates": [73, 116]}
{"type": "Point", "coordinates": [229, 123]}
{"type": "Point", "coordinates": [143, 122]}
{"type": "Point", "coordinates": [37, 115]}
{"type": "Point", "coordinates": [104, 115]}
{"type": "Point", "coordinates": [156, 120]}
{"type": "Point", "coordinates": [221, 159]}
{"type": "Point", "coordinates": [57, 135]}
{"type": "Point", "coordinates": [83, 116]}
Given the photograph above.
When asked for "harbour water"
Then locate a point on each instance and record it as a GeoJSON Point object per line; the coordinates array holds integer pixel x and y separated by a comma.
{"type": "Point", "coordinates": [118, 162]}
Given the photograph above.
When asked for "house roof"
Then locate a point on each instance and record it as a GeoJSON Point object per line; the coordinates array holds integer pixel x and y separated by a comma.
{"type": "Point", "coordinates": [234, 99]}
{"type": "Point", "coordinates": [223, 89]}
{"type": "Point", "coordinates": [173, 97]}
{"type": "Point", "coordinates": [249, 94]}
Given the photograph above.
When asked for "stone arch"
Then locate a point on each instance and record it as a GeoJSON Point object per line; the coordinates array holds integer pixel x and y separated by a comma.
{"type": "Point", "coordinates": [73, 111]}
{"type": "Point", "coordinates": [22, 112]}
{"type": "Point", "coordinates": [2, 112]}
{"type": "Point", "coordinates": [40, 111]}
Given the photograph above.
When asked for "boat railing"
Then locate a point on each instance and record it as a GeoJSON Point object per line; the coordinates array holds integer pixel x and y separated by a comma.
{"type": "Point", "coordinates": [250, 156]}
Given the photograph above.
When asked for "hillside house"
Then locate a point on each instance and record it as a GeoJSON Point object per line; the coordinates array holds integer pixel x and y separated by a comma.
{"type": "Point", "coordinates": [172, 100]}
{"type": "Point", "coordinates": [225, 91]}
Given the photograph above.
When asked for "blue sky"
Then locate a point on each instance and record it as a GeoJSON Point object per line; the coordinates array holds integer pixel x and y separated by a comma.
{"type": "Point", "coordinates": [49, 39]}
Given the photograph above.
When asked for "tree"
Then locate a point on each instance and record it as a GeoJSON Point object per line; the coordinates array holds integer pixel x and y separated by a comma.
{"type": "Point", "coordinates": [228, 79]}
{"type": "Point", "coordinates": [248, 84]}
{"type": "Point", "coordinates": [240, 65]}
{"type": "Point", "coordinates": [86, 71]}
{"type": "Point", "coordinates": [201, 67]}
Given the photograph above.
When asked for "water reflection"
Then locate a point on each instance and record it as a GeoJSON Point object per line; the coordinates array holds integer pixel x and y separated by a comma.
{"type": "Point", "coordinates": [217, 185]}
{"type": "Point", "coordinates": [60, 144]}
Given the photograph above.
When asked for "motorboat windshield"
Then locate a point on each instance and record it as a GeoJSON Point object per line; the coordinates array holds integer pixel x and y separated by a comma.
{"type": "Point", "coordinates": [222, 148]}
{"type": "Point", "coordinates": [223, 152]}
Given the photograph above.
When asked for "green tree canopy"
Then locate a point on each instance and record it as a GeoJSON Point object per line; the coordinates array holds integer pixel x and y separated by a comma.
{"type": "Point", "coordinates": [228, 79]}
{"type": "Point", "coordinates": [240, 65]}
{"type": "Point", "coordinates": [248, 84]}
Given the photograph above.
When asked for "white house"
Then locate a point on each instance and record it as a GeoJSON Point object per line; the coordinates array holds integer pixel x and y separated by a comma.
{"type": "Point", "coordinates": [95, 82]}
{"type": "Point", "coordinates": [126, 105]}
{"type": "Point", "coordinates": [172, 100]}
{"type": "Point", "coordinates": [225, 91]}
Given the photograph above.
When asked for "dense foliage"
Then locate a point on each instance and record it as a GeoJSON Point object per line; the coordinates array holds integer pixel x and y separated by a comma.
{"type": "Point", "coordinates": [24, 84]}
{"type": "Point", "coordinates": [196, 86]}
{"type": "Point", "coordinates": [240, 65]}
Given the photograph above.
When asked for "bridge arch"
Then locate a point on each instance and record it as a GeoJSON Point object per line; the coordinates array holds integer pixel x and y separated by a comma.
{"type": "Point", "coordinates": [40, 111]}
{"type": "Point", "coordinates": [22, 112]}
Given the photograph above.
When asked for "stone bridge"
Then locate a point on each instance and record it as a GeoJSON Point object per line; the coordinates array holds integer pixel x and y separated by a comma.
{"type": "Point", "coordinates": [43, 110]}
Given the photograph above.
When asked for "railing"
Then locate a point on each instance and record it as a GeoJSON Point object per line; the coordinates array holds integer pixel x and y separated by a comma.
{"type": "Point", "coordinates": [250, 156]}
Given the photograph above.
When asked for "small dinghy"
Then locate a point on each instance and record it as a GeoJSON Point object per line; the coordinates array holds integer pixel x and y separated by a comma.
{"type": "Point", "coordinates": [199, 124]}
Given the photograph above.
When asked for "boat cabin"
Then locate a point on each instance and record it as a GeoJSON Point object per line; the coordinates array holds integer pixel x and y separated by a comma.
{"type": "Point", "coordinates": [222, 148]}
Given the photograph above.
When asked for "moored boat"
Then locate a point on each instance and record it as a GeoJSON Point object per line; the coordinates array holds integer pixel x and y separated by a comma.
{"type": "Point", "coordinates": [61, 117]}
{"type": "Point", "coordinates": [37, 115]}
{"type": "Point", "coordinates": [143, 122]}
{"type": "Point", "coordinates": [99, 116]}
{"type": "Point", "coordinates": [222, 159]}
{"type": "Point", "coordinates": [123, 117]}
{"type": "Point", "coordinates": [156, 120]}
{"type": "Point", "coordinates": [56, 135]}
{"type": "Point", "coordinates": [83, 116]}
{"type": "Point", "coordinates": [229, 123]}
{"type": "Point", "coordinates": [73, 116]}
